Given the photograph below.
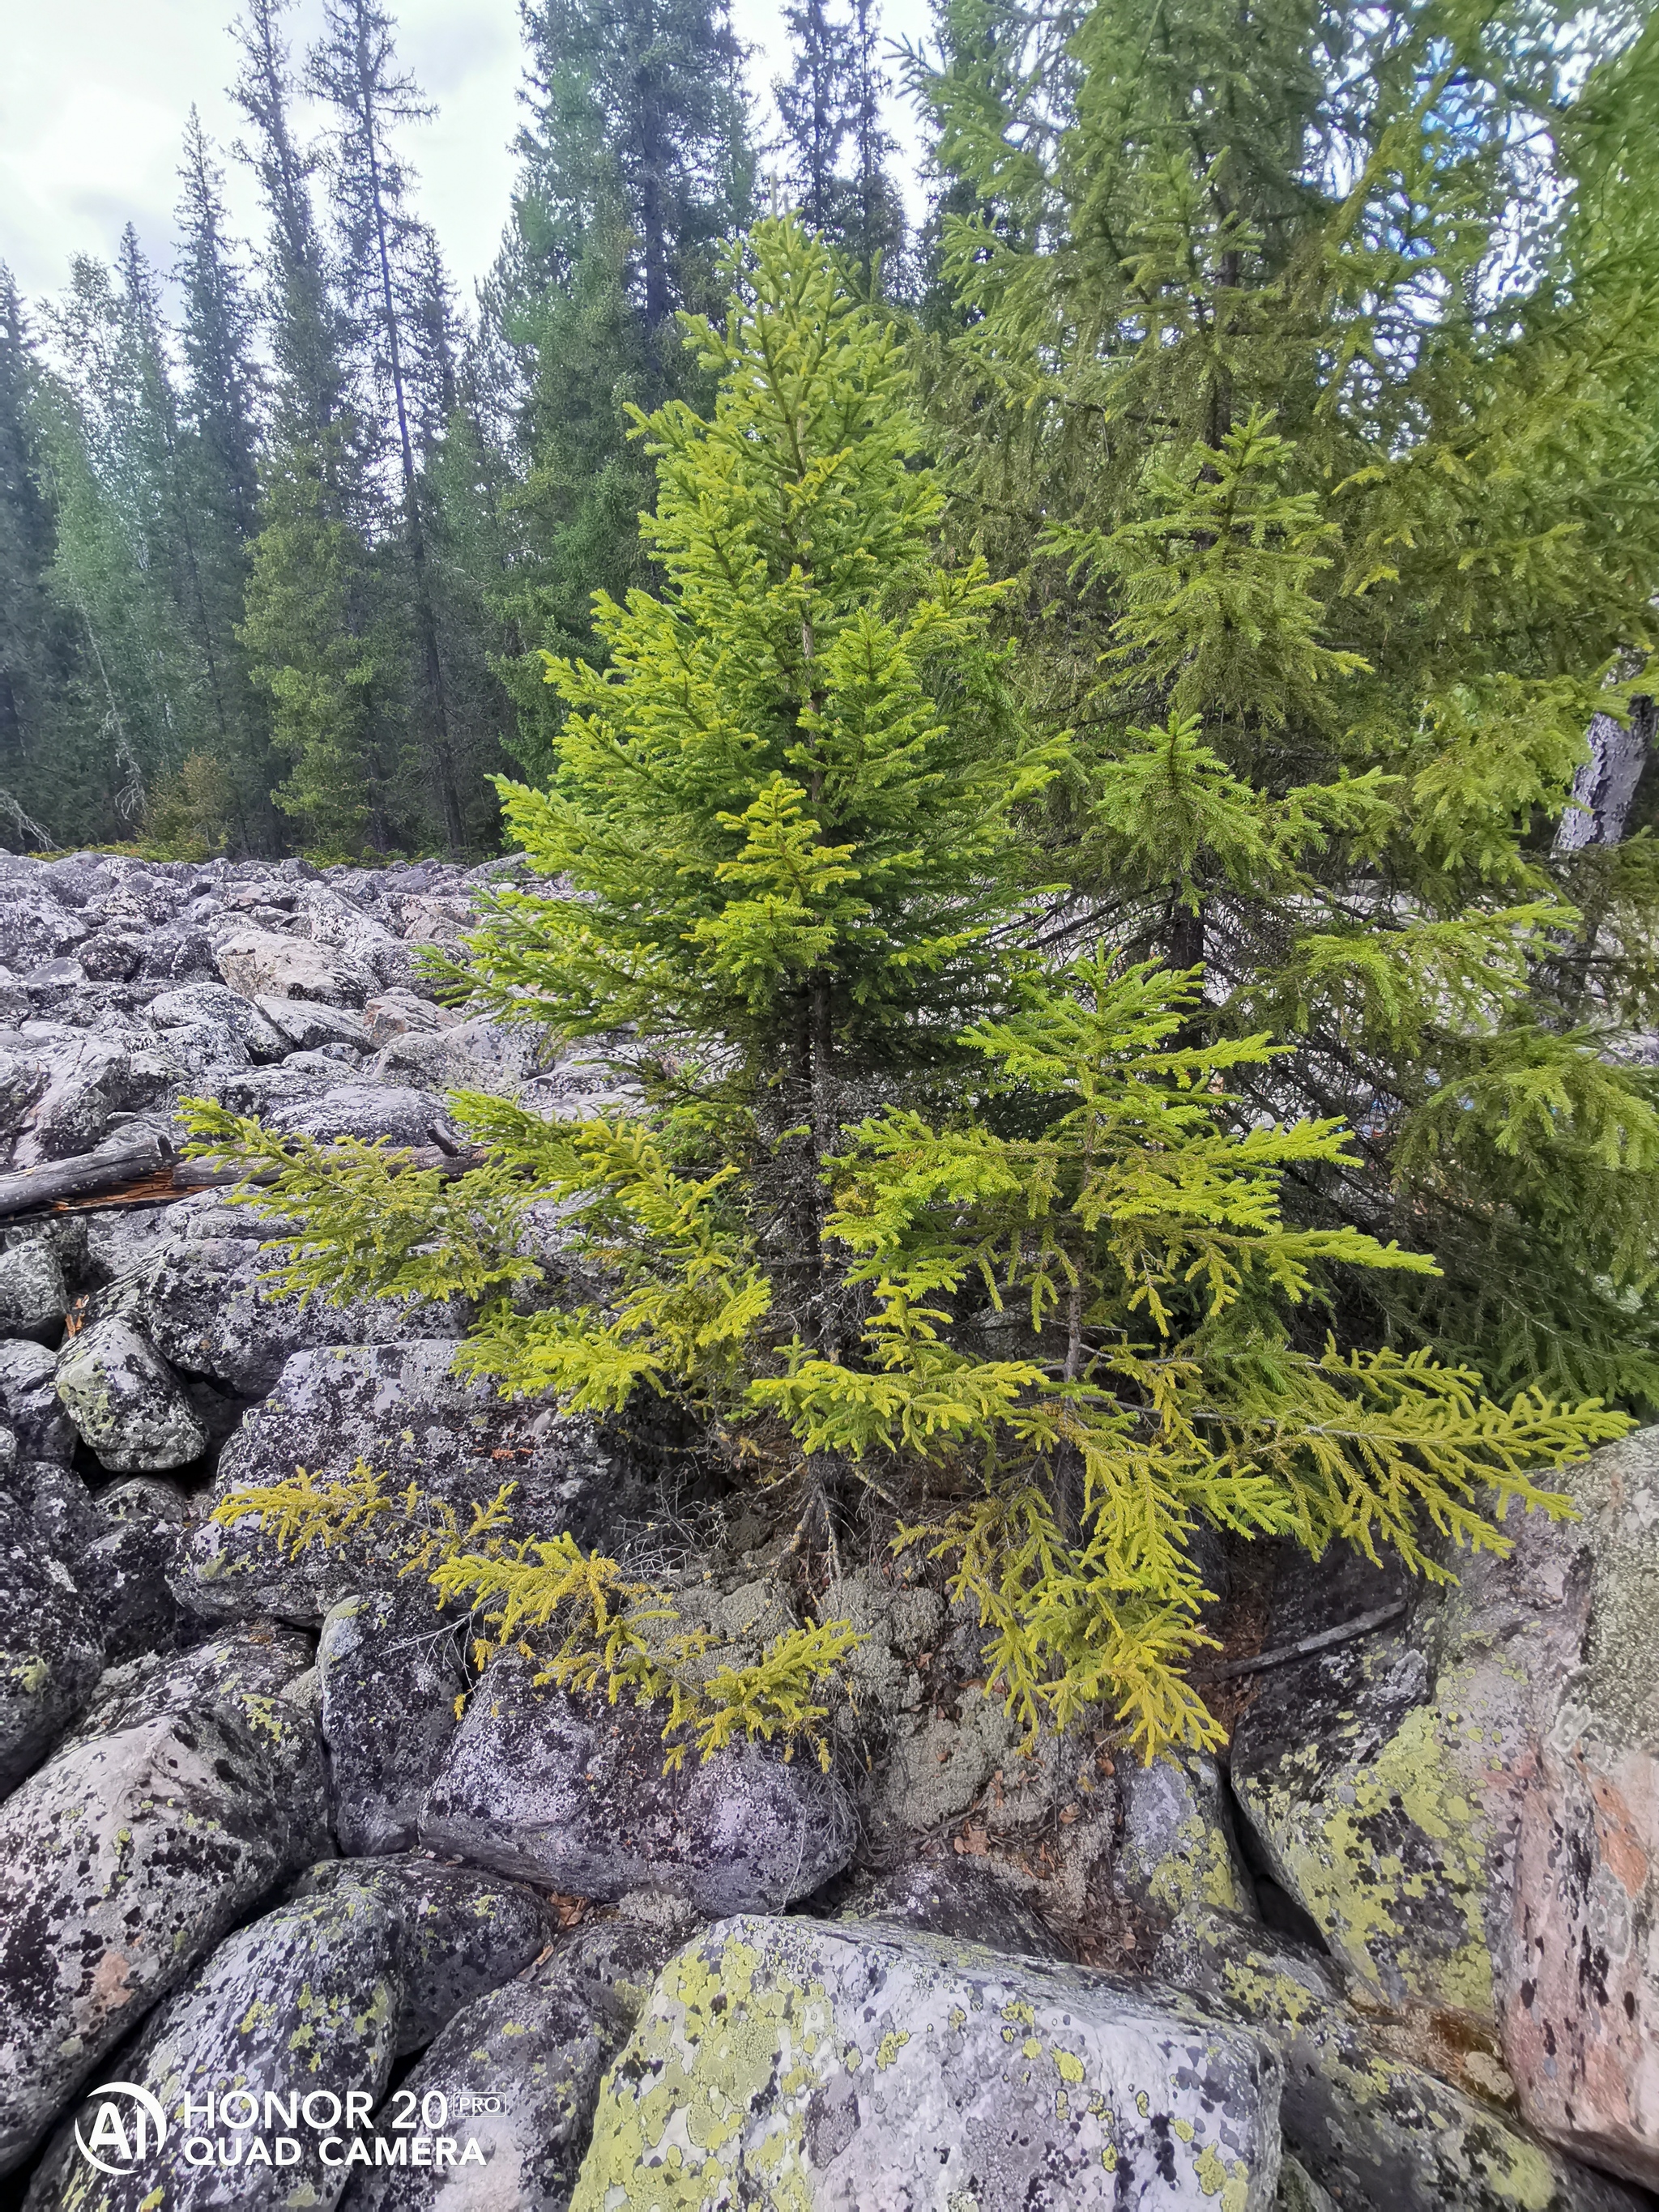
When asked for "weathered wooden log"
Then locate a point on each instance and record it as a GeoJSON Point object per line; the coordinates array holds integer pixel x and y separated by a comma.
{"type": "Point", "coordinates": [84, 1176]}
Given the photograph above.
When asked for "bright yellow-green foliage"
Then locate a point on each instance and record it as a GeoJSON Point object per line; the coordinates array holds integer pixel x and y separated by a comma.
{"type": "Point", "coordinates": [796, 773]}
{"type": "Point", "coordinates": [1077, 1349]}
{"type": "Point", "coordinates": [612, 1634]}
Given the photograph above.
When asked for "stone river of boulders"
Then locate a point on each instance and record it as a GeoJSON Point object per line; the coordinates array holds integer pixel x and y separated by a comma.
{"type": "Point", "coordinates": [295, 1913]}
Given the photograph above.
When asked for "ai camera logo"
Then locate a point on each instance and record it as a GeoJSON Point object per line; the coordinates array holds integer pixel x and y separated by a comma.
{"type": "Point", "coordinates": [125, 2127]}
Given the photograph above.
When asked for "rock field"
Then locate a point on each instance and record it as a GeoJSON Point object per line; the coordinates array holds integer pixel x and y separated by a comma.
{"type": "Point", "coordinates": [1395, 1950]}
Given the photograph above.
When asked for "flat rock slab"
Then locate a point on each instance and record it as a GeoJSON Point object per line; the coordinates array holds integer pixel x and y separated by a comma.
{"type": "Point", "coordinates": [799, 2063]}
{"type": "Point", "coordinates": [568, 1789]}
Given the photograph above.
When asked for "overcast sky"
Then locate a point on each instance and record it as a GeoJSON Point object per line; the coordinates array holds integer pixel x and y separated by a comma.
{"type": "Point", "coordinates": [93, 95]}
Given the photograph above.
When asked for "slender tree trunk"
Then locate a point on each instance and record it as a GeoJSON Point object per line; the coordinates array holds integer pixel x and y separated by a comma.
{"type": "Point", "coordinates": [443, 758]}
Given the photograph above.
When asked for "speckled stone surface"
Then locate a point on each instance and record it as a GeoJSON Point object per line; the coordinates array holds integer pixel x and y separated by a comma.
{"type": "Point", "coordinates": [809, 2065]}
{"type": "Point", "coordinates": [123, 1862]}
{"type": "Point", "coordinates": [460, 1933]}
{"type": "Point", "coordinates": [303, 2000]}
{"type": "Point", "coordinates": [51, 1646]}
{"type": "Point", "coordinates": [568, 1789]}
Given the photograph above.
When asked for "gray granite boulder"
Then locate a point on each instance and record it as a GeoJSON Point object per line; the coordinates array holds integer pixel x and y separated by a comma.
{"type": "Point", "coordinates": [30, 1405]}
{"type": "Point", "coordinates": [1365, 2117]}
{"type": "Point", "coordinates": [33, 1297]}
{"type": "Point", "coordinates": [123, 1862]}
{"type": "Point", "coordinates": [263, 1673]}
{"type": "Point", "coordinates": [128, 1565]}
{"type": "Point", "coordinates": [961, 1899]}
{"type": "Point", "coordinates": [212, 1007]}
{"type": "Point", "coordinates": [60, 1508]}
{"type": "Point", "coordinates": [1466, 1801]}
{"type": "Point", "coordinates": [261, 964]}
{"type": "Point", "coordinates": [125, 1401]}
{"type": "Point", "coordinates": [818, 2064]}
{"type": "Point", "coordinates": [208, 1304]}
{"type": "Point", "coordinates": [398, 1408]}
{"type": "Point", "coordinates": [392, 1674]}
{"type": "Point", "coordinates": [460, 1933]}
{"type": "Point", "coordinates": [529, 2058]}
{"type": "Point", "coordinates": [51, 1645]}
{"type": "Point", "coordinates": [370, 1111]}
{"type": "Point", "coordinates": [302, 2001]}
{"type": "Point", "coordinates": [563, 1788]}
{"type": "Point", "coordinates": [1176, 1846]}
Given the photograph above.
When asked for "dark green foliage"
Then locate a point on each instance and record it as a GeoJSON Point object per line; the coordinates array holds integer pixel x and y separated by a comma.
{"type": "Point", "coordinates": [1301, 354]}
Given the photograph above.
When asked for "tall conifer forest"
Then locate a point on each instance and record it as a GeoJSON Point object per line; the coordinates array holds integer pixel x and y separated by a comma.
{"type": "Point", "coordinates": [1087, 759]}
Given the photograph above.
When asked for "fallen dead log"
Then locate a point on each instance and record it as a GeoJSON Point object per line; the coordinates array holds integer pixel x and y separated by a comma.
{"type": "Point", "coordinates": [56, 1183]}
{"type": "Point", "coordinates": [149, 1175]}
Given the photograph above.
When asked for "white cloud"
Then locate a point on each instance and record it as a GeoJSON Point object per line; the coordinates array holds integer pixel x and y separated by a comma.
{"type": "Point", "coordinates": [93, 95]}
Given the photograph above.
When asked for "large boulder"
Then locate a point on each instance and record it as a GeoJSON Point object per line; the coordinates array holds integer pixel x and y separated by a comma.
{"type": "Point", "coordinates": [564, 1787]}
{"type": "Point", "coordinates": [393, 1677]}
{"type": "Point", "coordinates": [262, 1672]}
{"type": "Point", "coordinates": [375, 1112]}
{"type": "Point", "coordinates": [1363, 2114]}
{"type": "Point", "coordinates": [303, 2002]}
{"type": "Point", "coordinates": [30, 1405]}
{"type": "Point", "coordinates": [123, 1862]}
{"type": "Point", "coordinates": [400, 1410]}
{"type": "Point", "coordinates": [51, 1645]}
{"type": "Point", "coordinates": [209, 1304]}
{"type": "Point", "coordinates": [961, 1899]}
{"type": "Point", "coordinates": [125, 1401]}
{"type": "Point", "coordinates": [1466, 1801]}
{"type": "Point", "coordinates": [818, 2065]}
{"type": "Point", "coordinates": [92, 1081]}
{"type": "Point", "coordinates": [260, 964]}
{"type": "Point", "coordinates": [460, 1933]}
{"type": "Point", "coordinates": [523, 2064]}
{"type": "Point", "coordinates": [129, 1565]}
{"type": "Point", "coordinates": [213, 1007]}
{"type": "Point", "coordinates": [34, 1298]}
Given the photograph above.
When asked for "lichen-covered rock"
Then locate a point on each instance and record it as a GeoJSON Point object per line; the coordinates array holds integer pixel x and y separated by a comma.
{"type": "Point", "coordinates": [129, 1565]}
{"type": "Point", "coordinates": [370, 1111]}
{"type": "Point", "coordinates": [460, 1933]}
{"type": "Point", "coordinates": [531, 2053]}
{"type": "Point", "coordinates": [211, 1007]}
{"type": "Point", "coordinates": [814, 2065]}
{"type": "Point", "coordinates": [60, 1508]}
{"type": "Point", "coordinates": [1577, 1950]}
{"type": "Point", "coordinates": [52, 1647]}
{"type": "Point", "coordinates": [208, 1304]}
{"type": "Point", "coordinates": [1175, 1842]}
{"type": "Point", "coordinates": [125, 1401]}
{"type": "Point", "coordinates": [1348, 1779]}
{"type": "Point", "coordinates": [399, 1408]}
{"type": "Point", "coordinates": [260, 964]}
{"type": "Point", "coordinates": [30, 1405]}
{"type": "Point", "coordinates": [1469, 1803]}
{"type": "Point", "coordinates": [566, 1789]}
{"type": "Point", "coordinates": [123, 1860]}
{"type": "Point", "coordinates": [1370, 2124]}
{"type": "Point", "coordinates": [304, 2000]}
{"type": "Point", "coordinates": [962, 1899]}
{"type": "Point", "coordinates": [391, 1677]}
{"type": "Point", "coordinates": [34, 1298]}
{"type": "Point", "coordinates": [247, 1670]}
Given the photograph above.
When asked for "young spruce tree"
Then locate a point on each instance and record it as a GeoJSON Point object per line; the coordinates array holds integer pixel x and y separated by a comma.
{"type": "Point", "coordinates": [1040, 1318]}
